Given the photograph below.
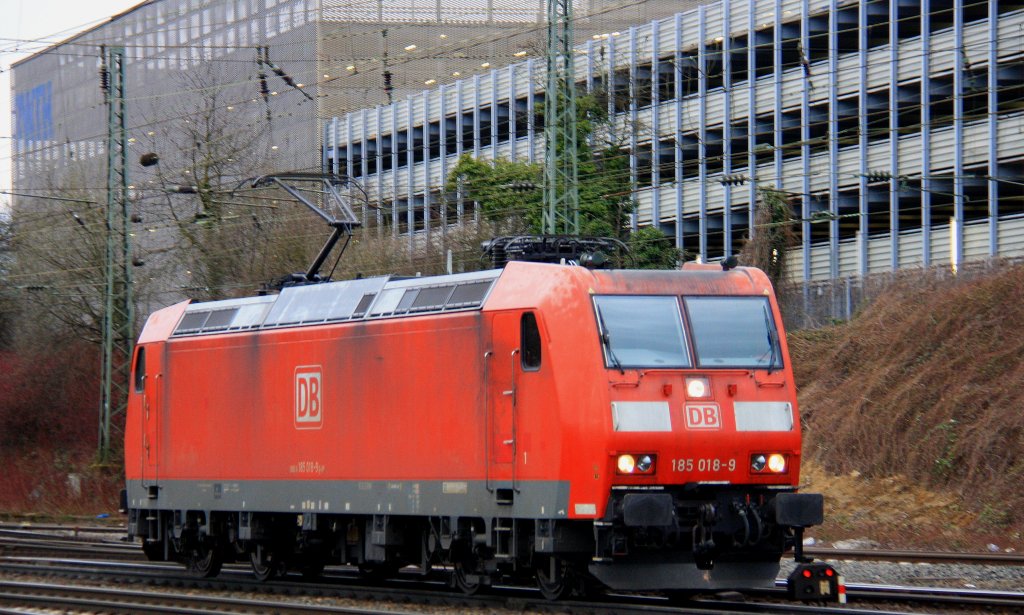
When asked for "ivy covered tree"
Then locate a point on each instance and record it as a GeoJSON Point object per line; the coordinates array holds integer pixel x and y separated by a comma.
{"type": "Point", "coordinates": [604, 182]}
{"type": "Point", "coordinates": [773, 234]}
{"type": "Point", "coordinates": [652, 249]}
{"type": "Point", "coordinates": [509, 193]}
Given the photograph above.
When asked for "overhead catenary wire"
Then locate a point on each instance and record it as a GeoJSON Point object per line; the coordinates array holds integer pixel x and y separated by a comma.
{"type": "Point", "coordinates": [284, 201]}
{"type": "Point", "coordinates": [177, 290]}
{"type": "Point", "coordinates": [903, 129]}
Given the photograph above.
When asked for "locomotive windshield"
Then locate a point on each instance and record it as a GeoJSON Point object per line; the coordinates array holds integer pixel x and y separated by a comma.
{"type": "Point", "coordinates": [727, 332]}
{"type": "Point", "coordinates": [642, 332]}
{"type": "Point", "coordinates": [734, 332]}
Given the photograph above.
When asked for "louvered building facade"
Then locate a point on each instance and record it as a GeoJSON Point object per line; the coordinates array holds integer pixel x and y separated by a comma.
{"type": "Point", "coordinates": [894, 127]}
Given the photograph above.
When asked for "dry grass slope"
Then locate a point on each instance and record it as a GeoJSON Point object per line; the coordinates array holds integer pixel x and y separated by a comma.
{"type": "Point", "coordinates": [928, 384]}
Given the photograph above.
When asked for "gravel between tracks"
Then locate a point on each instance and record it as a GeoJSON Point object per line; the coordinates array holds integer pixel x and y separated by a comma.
{"type": "Point", "coordinates": [960, 576]}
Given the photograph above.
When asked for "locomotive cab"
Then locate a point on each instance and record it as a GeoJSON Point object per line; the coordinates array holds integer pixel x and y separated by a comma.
{"type": "Point", "coordinates": [704, 448]}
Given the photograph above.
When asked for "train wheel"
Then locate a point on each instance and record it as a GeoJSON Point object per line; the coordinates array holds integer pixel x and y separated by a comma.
{"type": "Point", "coordinates": [313, 570]}
{"type": "Point", "coordinates": [554, 578]}
{"type": "Point", "coordinates": [204, 559]}
{"type": "Point", "coordinates": [265, 564]}
{"type": "Point", "coordinates": [681, 596]}
{"type": "Point", "coordinates": [378, 571]}
{"type": "Point", "coordinates": [467, 583]}
{"type": "Point", "coordinates": [154, 550]}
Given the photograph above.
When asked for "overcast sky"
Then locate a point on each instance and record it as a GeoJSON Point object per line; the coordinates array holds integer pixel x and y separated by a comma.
{"type": "Point", "coordinates": [29, 26]}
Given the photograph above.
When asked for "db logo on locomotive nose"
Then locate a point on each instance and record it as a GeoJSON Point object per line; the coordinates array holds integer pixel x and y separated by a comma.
{"type": "Point", "coordinates": [309, 397]}
{"type": "Point", "coordinates": [703, 416]}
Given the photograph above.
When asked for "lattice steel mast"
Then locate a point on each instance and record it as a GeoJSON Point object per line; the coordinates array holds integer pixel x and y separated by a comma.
{"type": "Point", "coordinates": [561, 197]}
{"type": "Point", "coordinates": [117, 295]}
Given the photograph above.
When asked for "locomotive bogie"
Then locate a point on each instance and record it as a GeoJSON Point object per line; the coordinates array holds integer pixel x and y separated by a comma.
{"type": "Point", "coordinates": [634, 429]}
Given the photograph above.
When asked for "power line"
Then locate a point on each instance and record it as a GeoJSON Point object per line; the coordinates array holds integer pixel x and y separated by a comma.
{"type": "Point", "coordinates": [901, 128]}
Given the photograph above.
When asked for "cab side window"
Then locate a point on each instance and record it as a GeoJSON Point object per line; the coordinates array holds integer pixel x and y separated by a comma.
{"type": "Point", "coordinates": [529, 342]}
{"type": "Point", "coordinates": [140, 370]}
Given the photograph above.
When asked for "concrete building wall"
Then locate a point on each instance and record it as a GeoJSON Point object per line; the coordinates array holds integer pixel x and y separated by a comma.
{"type": "Point", "coordinates": [347, 54]}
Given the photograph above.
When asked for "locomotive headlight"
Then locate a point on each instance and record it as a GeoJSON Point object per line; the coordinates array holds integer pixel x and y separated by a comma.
{"type": "Point", "coordinates": [758, 462]}
{"type": "Point", "coordinates": [773, 463]}
{"type": "Point", "coordinates": [635, 464]}
{"type": "Point", "coordinates": [627, 464]}
{"type": "Point", "coordinates": [644, 463]}
{"type": "Point", "coordinates": [698, 387]}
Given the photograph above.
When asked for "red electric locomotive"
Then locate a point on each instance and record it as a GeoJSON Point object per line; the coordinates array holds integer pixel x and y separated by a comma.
{"type": "Point", "coordinates": [633, 429]}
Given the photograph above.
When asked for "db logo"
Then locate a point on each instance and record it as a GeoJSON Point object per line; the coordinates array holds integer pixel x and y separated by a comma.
{"type": "Point", "coordinates": [702, 416]}
{"type": "Point", "coordinates": [309, 397]}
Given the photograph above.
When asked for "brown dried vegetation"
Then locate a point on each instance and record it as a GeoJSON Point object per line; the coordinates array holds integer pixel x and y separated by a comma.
{"type": "Point", "coordinates": [922, 391]}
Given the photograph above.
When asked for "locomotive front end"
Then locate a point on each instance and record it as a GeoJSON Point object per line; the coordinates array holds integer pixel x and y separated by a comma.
{"type": "Point", "coordinates": [703, 453]}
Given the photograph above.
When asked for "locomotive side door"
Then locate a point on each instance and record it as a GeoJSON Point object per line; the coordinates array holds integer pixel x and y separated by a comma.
{"type": "Point", "coordinates": [502, 361]}
{"type": "Point", "coordinates": [515, 353]}
{"type": "Point", "coordinates": [149, 381]}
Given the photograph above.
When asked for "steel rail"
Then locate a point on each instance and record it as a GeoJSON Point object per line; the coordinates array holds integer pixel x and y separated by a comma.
{"type": "Point", "coordinates": [61, 545]}
{"type": "Point", "coordinates": [75, 529]}
{"type": "Point", "coordinates": [13, 536]}
{"type": "Point", "coordinates": [921, 557]}
{"type": "Point", "coordinates": [239, 576]}
{"type": "Point", "coordinates": [872, 592]}
{"type": "Point", "coordinates": [502, 598]}
{"type": "Point", "coordinates": [117, 600]}
{"type": "Point", "coordinates": [936, 595]}
{"type": "Point", "coordinates": [882, 555]}
{"type": "Point", "coordinates": [342, 582]}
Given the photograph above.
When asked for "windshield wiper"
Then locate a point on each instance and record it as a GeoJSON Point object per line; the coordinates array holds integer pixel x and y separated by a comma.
{"type": "Point", "coordinates": [773, 348]}
{"type": "Point", "coordinates": [607, 342]}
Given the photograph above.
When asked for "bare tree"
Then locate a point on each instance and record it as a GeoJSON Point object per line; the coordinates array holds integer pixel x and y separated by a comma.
{"type": "Point", "coordinates": [211, 145]}
{"type": "Point", "coordinates": [58, 244]}
{"type": "Point", "coordinates": [6, 292]}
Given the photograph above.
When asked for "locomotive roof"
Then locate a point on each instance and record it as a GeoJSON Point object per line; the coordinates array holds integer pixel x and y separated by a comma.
{"type": "Point", "coordinates": [364, 299]}
{"type": "Point", "coordinates": [390, 297]}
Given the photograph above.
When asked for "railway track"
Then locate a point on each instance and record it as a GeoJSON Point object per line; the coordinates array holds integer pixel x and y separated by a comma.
{"type": "Point", "coordinates": [344, 584]}
{"type": "Point", "coordinates": [63, 528]}
{"type": "Point", "coordinates": [1014, 601]}
{"type": "Point", "coordinates": [167, 590]}
{"type": "Point", "coordinates": [67, 541]}
{"type": "Point", "coordinates": [118, 600]}
{"type": "Point", "coordinates": [918, 557]}
{"type": "Point", "coordinates": [78, 533]}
